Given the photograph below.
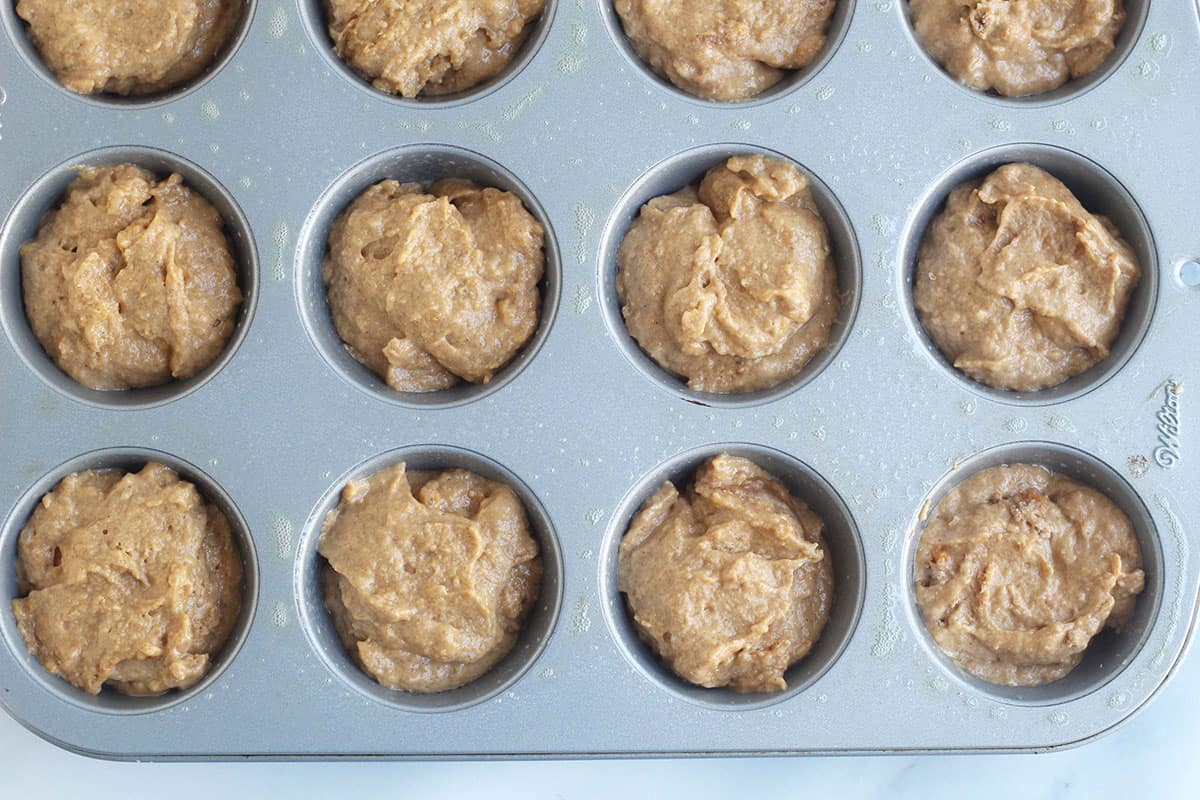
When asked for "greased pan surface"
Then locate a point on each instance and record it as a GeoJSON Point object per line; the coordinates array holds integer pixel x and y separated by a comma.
{"type": "Point", "coordinates": [280, 138]}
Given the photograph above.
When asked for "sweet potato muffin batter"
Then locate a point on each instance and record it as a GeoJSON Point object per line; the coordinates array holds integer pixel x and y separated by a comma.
{"type": "Point", "coordinates": [726, 50]}
{"type": "Point", "coordinates": [1018, 284]}
{"type": "Point", "coordinates": [1018, 568]}
{"type": "Point", "coordinates": [429, 47]}
{"type": "Point", "coordinates": [130, 282]}
{"type": "Point", "coordinates": [429, 576]}
{"type": "Point", "coordinates": [430, 287]}
{"type": "Point", "coordinates": [731, 582]}
{"type": "Point", "coordinates": [731, 284]}
{"type": "Point", "coordinates": [1018, 47]}
{"type": "Point", "coordinates": [128, 47]}
{"type": "Point", "coordinates": [129, 580]}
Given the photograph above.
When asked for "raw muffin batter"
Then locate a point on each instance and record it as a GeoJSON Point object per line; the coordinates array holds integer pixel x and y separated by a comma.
{"type": "Point", "coordinates": [130, 282]}
{"type": "Point", "coordinates": [730, 284]}
{"type": "Point", "coordinates": [130, 580]}
{"type": "Point", "coordinates": [725, 49]}
{"type": "Point", "coordinates": [429, 47]}
{"type": "Point", "coordinates": [1018, 47]}
{"type": "Point", "coordinates": [128, 47]}
{"type": "Point", "coordinates": [429, 287]}
{"type": "Point", "coordinates": [429, 576]}
{"type": "Point", "coordinates": [731, 582]}
{"type": "Point", "coordinates": [1018, 284]}
{"type": "Point", "coordinates": [1017, 570]}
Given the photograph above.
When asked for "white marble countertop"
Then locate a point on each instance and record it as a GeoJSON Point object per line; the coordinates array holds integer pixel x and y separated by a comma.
{"type": "Point", "coordinates": [1154, 755]}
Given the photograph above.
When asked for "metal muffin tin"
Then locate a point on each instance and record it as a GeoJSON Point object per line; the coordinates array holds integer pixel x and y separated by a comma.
{"type": "Point", "coordinates": [280, 137]}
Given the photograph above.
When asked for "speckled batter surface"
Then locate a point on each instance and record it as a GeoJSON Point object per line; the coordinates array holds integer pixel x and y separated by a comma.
{"type": "Point", "coordinates": [727, 50]}
{"type": "Point", "coordinates": [430, 287]}
{"type": "Point", "coordinates": [429, 47]}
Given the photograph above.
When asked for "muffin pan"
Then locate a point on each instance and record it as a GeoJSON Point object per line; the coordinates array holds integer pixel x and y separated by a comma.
{"type": "Point", "coordinates": [280, 137]}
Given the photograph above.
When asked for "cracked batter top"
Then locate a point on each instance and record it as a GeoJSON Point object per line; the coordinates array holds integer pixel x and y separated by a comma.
{"type": "Point", "coordinates": [1018, 568]}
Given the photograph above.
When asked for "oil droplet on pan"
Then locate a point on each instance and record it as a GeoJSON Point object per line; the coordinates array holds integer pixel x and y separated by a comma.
{"type": "Point", "coordinates": [278, 24]}
{"type": "Point", "coordinates": [581, 619]}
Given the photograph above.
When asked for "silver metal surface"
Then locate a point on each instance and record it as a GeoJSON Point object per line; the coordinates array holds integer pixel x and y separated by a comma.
{"type": "Point", "coordinates": [281, 137]}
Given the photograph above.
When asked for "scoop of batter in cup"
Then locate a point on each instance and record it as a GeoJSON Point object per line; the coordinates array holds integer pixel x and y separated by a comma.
{"type": "Point", "coordinates": [1018, 284]}
{"type": "Point", "coordinates": [730, 582]}
{"type": "Point", "coordinates": [128, 47]}
{"type": "Point", "coordinates": [726, 50]}
{"type": "Point", "coordinates": [130, 282]}
{"type": "Point", "coordinates": [731, 284]}
{"type": "Point", "coordinates": [1018, 569]}
{"type": "Point", "coordinates": [129, 581]}
{"type": "Point", "coordinates": [1018, 47]}
{"type": "Point", "coordinates": [429, 47]}
{"type": "Point", "coordinates": [430, 287]}
{"type": "Point", "coordinates": [429, 576]}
